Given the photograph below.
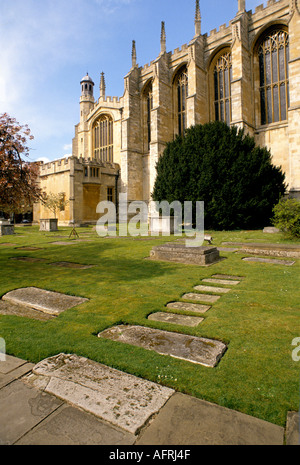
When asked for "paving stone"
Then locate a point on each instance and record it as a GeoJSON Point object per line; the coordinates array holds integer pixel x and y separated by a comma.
{"type": "Point", "coordinates": [9, 308]}
{"type": "Point", "coordinates": [62, 428]}
{"type": "Point", "coordinates": [21, 409]}
{"type": "Point", "coordinates": [273, 261]}
{"type": "Point", "coordinates": [119, 398]}
{"type": "Point", "coordinates": [176, 319]}
{"type": "Point", "coordinates": [201, 297]}
{"type": "Point", "coordinates": [187, 421]}
{"type": "Point", "coordinates": [188, 307]}
{"type": "Point", "coordinates": [293, 429]}
{"type": "Point", "coordinates": [220, 290]}
{"type": "Point", "coordinates": [227, 276]}
{"type": "Point", "coordinates": [193, 349]}
{"type": "Point", "coordinates": [45, 301]}
{"type": "Point", "coordinates": [221, 281]}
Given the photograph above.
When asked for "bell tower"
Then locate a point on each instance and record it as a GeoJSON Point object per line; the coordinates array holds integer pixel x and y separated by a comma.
{"type": "Point", "coordinates": [87, 96]}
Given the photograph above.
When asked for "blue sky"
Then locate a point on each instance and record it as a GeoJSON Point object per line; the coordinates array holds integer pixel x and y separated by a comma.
{"type": "Point", "coordinates": [47, 46]}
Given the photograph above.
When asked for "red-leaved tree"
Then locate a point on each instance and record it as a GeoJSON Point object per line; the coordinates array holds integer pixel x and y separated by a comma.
{"type": "Point", "coordinates": [18, 177]}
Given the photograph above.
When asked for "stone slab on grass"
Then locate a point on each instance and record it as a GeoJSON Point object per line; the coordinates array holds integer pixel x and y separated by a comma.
{"type": "Point", "coordinates": [193, 349]}
{"type": "Point", "coordinates": [218, 290]}
{"type": "Point", "coordinates": [45, 301]}
{"type": "Point", "coordinates": [201, 297]}
{"type": "Point", "coordinates": [9, 308]}
{"type": "Point", "coordinates": [119, 398]}
{"type": "Point", "coordinates": [71, 265]}
{"type": "Point", "coordinates": [226, 282]}
{"type": "Point", "coordinates": [272, 261]}
{"type": "Point", "coordinates": [27, 259]}
{"type": "Point", "coordinates": [173, 318]}
{"type": "Point", "coordinates": [187, 307]}
{"type": "Point", "coordinates": [227, 276]}
{"type": "Point", "coordinates": [27, 247]}
{"type": "Point", "coordinates": [177, 252]}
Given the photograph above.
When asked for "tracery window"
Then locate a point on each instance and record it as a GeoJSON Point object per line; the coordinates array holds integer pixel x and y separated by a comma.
{"type": "Point", "coordinates": [273, 54]}
{"type": "Point", "coordinates": [103, 138]}
{"type": "Point", "coordinates": [148, 99]}
{"type": "Point", "coordinates": [222, 88]}
{"type": "Point", "coordinates": [181, 86]}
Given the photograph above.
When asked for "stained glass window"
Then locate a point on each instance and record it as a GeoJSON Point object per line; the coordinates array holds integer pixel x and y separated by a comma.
{"type": "Point", "coordinates": [273, 54]}
{"type": "Point", "coordinates": [148, 96]}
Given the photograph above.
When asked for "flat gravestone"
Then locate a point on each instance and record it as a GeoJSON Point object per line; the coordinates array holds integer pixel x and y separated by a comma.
{"type": "Point", "coordinates": [227, 276]}
{"type": "Point", "coordinates": [187, 307]}
{"type": "Point", "coordinates": [218, 290]}
{"type": "Point", "coordinates": [71, 265]}
{"type": "Point", "coordinates": [226, 282]}
{"type": "Point", "coordinates": [7, 244]}
{"type": "Point", "coordinates": [273, 261]}
{"type": "Point", "coordinates": [70, 242]}
{"type": "Point", "coordinates": [28, 248]}
{"type": "Point", "coordinates": [9, 308]}
{"type": "Point", "coordinates": [45, 301]}
{"type": "Point", "coordinates": [177, 252]}
{"type": "Point", "coordinates": [119, 398]}
{"type": "Point", "coordinates": [193, 349]}
{"type": "Point", "coordinates": [201, 297]}
{"type": "Point", "coordinates": [176, 319]}
{"type": "Point", "coordinates": [28, 259]}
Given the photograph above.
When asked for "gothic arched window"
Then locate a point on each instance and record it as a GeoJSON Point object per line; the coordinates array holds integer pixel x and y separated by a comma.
{"type": "Point", "coordinates": [181, 88]}
{"type": "Point", "coordinates": [148, 105]}
{"type": "Point", "coordinates": [103, 138]}
{"type": "Point", "coordinates": [222, 88]}
{"type": "Point", "coordinates": [273, 55]}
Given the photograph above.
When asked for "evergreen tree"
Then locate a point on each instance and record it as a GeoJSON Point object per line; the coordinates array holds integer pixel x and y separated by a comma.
{"type": "Point", "coordinates": [224, 168]}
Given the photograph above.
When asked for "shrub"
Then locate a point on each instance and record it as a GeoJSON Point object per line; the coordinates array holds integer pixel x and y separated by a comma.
{"type": "Point", "coordinates": [287, 217]}
{"type": "Point", "coordinates": [222, 167]}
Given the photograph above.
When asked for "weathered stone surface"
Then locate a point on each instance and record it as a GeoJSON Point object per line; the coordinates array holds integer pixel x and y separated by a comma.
{"type": "Point", "coordinates": [119, 398]}
{"type": "Point", "coordinates": [178, 252]}
{"type": "Point", "coordinates": [189, 421]}
{"type": "Point", "coordinates": [218, 290]}
{"type": "Point", "coordinates": [221, 281]}
{"type": "Point", "coordinates": [201, 297]}
{"type": "Point", "coordinates": [45, 301]}
{"type": "Point", "coordinates": [70, 242]}
{"type": "Point", "coordinates": [70, 426]}
{"type": "Point", "coordinates": [273, 261]}
{"type": "Point", "coordinates": [274, 250]}
{"type": "Point", "coordinates": [9, 308]}
{"type": "Point", "coordinates": [7, 230]}
{"type": "Point", "coordinates": [176, 319]}
{"type": "Point", "coordinates": [193, 349]}
{"type": "Point", "coordinates": [271, 230]}
{"type": "Point", "coordinates": [292, 429]}
{"type": "Point", "coordinates": [188, 307]}
{"type": "Point", "coordinates": [227, 276]}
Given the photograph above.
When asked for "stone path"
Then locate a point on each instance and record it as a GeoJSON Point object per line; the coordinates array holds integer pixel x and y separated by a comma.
{"type": "Point", "coordinates": [30, 415]}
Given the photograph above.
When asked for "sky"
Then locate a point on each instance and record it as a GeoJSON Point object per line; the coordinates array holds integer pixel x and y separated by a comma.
{"type": "Point", "coordinates": [47, 46]}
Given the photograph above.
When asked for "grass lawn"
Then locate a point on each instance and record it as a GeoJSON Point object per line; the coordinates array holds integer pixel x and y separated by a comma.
{"type": "Point", "coordinates": [258, 319]}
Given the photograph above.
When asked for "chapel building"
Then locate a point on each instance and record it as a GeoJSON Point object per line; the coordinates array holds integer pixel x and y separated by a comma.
{"type": "Point", "coordinates": [246, 73]}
